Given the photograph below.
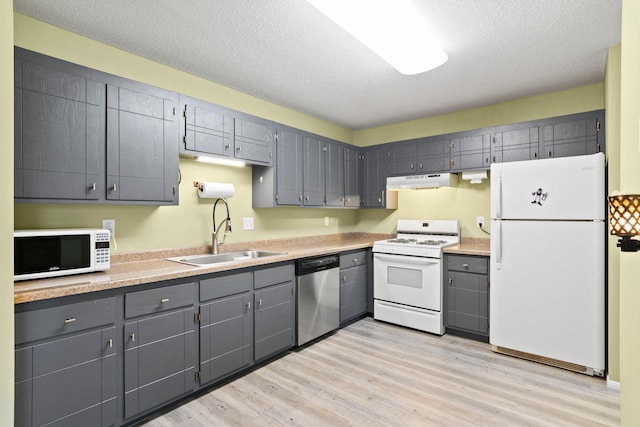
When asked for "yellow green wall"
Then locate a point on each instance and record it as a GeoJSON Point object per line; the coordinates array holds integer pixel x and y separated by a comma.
{"type": "Point", "coordinates": [6, 213]}
{"type": "Point", "coordinates": [612, 105]}
{"type": "Point", "coordinates": [586, 98]}
{"type": "Point", "coordinates": [630, 182]}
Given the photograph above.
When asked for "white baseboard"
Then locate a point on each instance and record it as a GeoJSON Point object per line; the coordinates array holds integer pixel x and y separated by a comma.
{"type": "Point", "coordinates": [613, 384]}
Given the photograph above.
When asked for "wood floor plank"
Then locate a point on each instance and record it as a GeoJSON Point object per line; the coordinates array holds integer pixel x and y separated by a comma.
{"type": "Point", "coordinates": [376, 374]}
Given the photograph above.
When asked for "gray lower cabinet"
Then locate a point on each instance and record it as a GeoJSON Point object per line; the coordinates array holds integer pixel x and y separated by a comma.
{"type": "Point", "coordinates": [274, 316]}
{"type": "Point", "coordinates": [159, 347]}
{"type": "Point", "coordinates": [353, 285]}
{"type": "Point", "coordinates": [66, 365]}
{"type": "Point", "coordinates": [466, 296]}
{"type": "Point", "coordinates": [226, 313]}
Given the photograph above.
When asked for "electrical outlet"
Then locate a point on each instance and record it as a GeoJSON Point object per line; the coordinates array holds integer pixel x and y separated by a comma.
{"type": "Point", "coordinates": [110, 224]}
{"type": "Point", "coordinates": [248, 223]}
{"type": "Point", "coordinates": [480, 221]}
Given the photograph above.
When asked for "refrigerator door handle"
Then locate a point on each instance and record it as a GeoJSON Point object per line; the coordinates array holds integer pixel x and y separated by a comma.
{"type": "Point", "coordinates": [496, 194]}
{"type": "Point", "coordinates": [498, 244]}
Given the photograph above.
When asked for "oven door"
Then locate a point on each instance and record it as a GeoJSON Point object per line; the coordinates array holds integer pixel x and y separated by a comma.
{"type": "Point", "coordinates": [409, 280]}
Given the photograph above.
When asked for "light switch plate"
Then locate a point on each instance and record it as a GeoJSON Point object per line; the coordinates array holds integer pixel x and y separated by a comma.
{"type": "Point", "coordinates": [248, 223]}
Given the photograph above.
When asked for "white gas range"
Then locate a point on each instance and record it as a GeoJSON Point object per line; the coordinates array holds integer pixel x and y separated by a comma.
{"type": "Point", "coordinates": [407, 274]}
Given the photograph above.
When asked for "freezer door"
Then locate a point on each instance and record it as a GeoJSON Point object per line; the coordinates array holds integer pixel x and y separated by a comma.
{"type": "Point", "coordinates": [562, 188]}
{"type": "Point", "coordinates": [547, 294]}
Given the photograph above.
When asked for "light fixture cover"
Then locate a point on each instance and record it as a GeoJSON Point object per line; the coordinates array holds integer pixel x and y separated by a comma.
{"type": "Point", "coordinates": [395, 30]}
{"type": "Point", "coordinates": [624, 215]}
{"type": "Point", "coordinates": [220, 161]}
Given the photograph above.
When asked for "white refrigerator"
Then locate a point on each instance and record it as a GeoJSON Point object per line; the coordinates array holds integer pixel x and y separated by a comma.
{"type": "Point", "coordinates": [547, 293]}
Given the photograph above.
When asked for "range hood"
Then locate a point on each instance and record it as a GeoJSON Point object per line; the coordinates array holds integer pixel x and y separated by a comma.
{"type": "Point", "coordinates": [422, 181]}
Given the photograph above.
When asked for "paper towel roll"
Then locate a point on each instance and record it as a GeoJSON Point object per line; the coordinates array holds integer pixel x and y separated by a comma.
{"type": "Point", "coordinates": [215, 190]}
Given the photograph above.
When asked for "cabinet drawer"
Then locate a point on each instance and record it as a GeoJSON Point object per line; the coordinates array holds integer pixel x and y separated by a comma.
{"type": "Point", "coordinates": [63, 319]}
{"type": "Point", "coordinates": [272, 276]}
{"type": "Point", "coordinates": [470, 264]}
{"type": "Point", "coordinates": [353, 259]}
{"type": "Point", "coordinates": [159, 299]}
{"type": "Point", "coordinates": [223, 286]}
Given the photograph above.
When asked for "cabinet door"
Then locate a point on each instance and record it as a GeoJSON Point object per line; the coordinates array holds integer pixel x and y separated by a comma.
{"type": "Point", "coordinates": [374, 177]}
{"type": "Point", "coordinates": [207, 129]}
{"type": "Point", "coordinates": [254, 139]}
{"type": "Point", "coordinates": [467, 302]}
{"type": "Point", "coordinates": [69, 381]}
{"type": "Point", "coordinates": [334, 175]}
{"type": "Point", "coordinates": [225, 336]}
{"type": "Point", "coordinates": [404, 158]}
{"type": "Point", "coordinates": [471, 152]}
{"type": "Point", "coordinates": [433, 155]}
{"type": "Point", "coordinates": [159, 360]}
{"type": "Point", "coordinates": [314, 172]}
{"type": "Point", "coordinates": [351, 174]}
{"type": "Point", "coordinates": [353, 292]}
{"type": "Point", "coordinates": [142, 155]}
{"type": "Point", "coordinates": [59, 131]}
{"type": "Point", "coordinates": [289, 152]}
{"type": "Point", "coordinates": [274, 319]}
{"type": "Point", "coordinates": [571, 138]}
{"type": "Point", "coordinates": [515, 145]}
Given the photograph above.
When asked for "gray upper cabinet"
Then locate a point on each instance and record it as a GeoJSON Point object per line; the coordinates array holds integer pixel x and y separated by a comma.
{"type": "Point", "coordinates": [142, 156]}
{"type": "Point", "coordinates": [515, 144]}
{"type": "Point", "coordinates": [86, 136]}
{"type": "Point", "coordinates": [334, 175]}
{"type": "Point", "coordinates": [254, 139]}
{"type": "Point", "coordinates": [433, 155]}
{"type": "Point", "coordinates": [205, 128]}
{"type": "Point", "coordinates": [471, 152]}
{"type": "Point", "coordinates": [376, 167]}
{"type": "Point", "coordinates": [404, 158]}
{"type": "Point", "coordinates": [351, 175]}
{"type": "Point", "coordinates": [289, 155]}
{"type": "Point", "coordinates": [574, 136]}
{"type": "Point", "coordinates": [59, 130]}
{"type": "Point", "coordinates": [313, 182]}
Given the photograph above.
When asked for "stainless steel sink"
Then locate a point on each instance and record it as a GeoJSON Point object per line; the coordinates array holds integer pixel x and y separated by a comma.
{"type": "Point", "coordinates": [206, 260]}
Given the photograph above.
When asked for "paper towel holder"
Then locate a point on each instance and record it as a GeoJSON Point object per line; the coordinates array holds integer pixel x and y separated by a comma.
{"type": "Point", "coordinates": [214, 190]}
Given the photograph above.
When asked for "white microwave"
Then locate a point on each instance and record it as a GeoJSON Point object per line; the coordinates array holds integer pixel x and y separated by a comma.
{"type": "Point", "coordinates": [49, 253]}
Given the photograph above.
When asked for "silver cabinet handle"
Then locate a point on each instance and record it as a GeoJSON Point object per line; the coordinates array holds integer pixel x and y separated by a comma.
{"type": "Point", "coordinates": [260, 301]}
{"type": "Point", "coordinates": [226, 147]}
{"type": "Point", "coordinates": [133, 337]}
{"type": "Point", "coordinates": [93, 187]}
{"type": "Point", "coordinates": [450, 281]}
{"type": "Point", "coordinates": [344, 279]}
{"type": "Point", "coordinates": [466, 266]}
{"type": "Point", "coordinates": [70, 320]}
{"type": "Point", "coordinates": [249, 305]}
{"type": "Point", "coordinates": [163, 300]}
{"type": "Point", "coordinates": [110, 343]}
{"type": "Point", "coordinates": [114, 187]}
{"type": "Point", "coordinates": [355, 260]}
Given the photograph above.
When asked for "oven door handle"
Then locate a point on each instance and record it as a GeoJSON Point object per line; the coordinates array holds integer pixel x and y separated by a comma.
{"type": "Point", "coordinates": [405, 259]}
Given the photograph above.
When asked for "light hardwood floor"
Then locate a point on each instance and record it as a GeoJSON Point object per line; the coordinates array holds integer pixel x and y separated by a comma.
{"type": "Point", "coordinates": [376, 374]}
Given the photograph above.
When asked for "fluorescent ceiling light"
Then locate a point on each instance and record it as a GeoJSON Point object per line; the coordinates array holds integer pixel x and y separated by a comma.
{"type": "Point", "coordinates": [220, 161]}
{"type": "Point", "coordinates": [395, 30]}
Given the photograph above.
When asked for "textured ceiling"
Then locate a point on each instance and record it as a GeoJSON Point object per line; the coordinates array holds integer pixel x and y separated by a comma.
{"type": "Point", "coordinates": [287, 52]}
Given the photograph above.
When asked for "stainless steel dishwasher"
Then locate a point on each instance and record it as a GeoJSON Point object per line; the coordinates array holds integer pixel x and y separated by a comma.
{"type": "Point", "coordinates": [318, 293]}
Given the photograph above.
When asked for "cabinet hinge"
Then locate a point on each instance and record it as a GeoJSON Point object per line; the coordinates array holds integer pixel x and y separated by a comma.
{"type": "Point", "coordinates": [196, 317]}
{"type": "Point", "coordinates": [174, 111]}
{"type": "Point", "coordinates": [451, 162]}
{"type": "Point", "coordinates": [196, 376]}
{"type": "Point", "coordinates": [597, 125]}
{"type": "Point", "coordinates": [276, 197]}
{"type": "Point", "coordinates": [184, 113]}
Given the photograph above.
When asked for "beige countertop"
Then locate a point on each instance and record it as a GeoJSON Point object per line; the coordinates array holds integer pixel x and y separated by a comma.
{"type": "Point", "coordinates": [136, 268]}
{"type": "Point", "coordinates": [470, 246]}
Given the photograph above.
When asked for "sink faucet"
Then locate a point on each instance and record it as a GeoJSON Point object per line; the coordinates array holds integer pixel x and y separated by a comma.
{"type": "Point", "coordinates": [215, 242]}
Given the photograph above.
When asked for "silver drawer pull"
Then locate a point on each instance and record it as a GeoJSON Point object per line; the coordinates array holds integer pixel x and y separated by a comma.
{"type": "Point", "coordinates": [133, 337]}
{"type": "Point", "coordinates": [163, 300]}
{"type": "Point", "coordinates": [355, 260]}
{"type": "Point", "coordinates": [466, 266]}
{"type": "Point", "coordinates": [70, 320]}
